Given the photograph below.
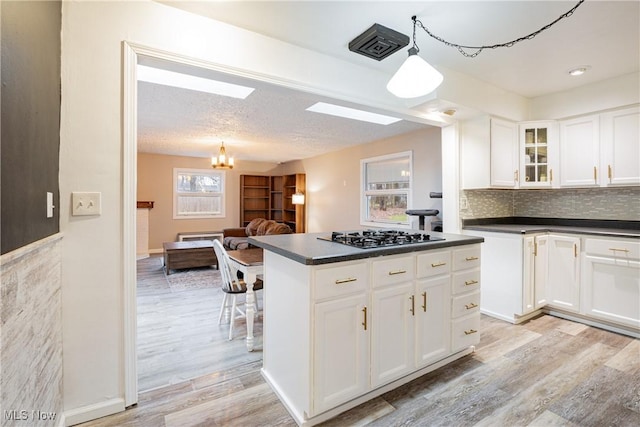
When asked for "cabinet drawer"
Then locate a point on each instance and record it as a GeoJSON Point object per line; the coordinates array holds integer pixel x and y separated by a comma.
{"type": "Point", "coordinates": [465, 281]}
{"type": "Point", "coordinates": [613, 248]}
{"type": "Point", "coordinates": [465, 332]}
{"type": "Point", "coordinates": [433, 263]}
{"type": "Point", "coordinates": [465, 304]}
{"type": "Point", "coordinates": [340, 280]}
{"type": "Point", "coordinates": [467, 257]}
{"type": "Point", "coordinates": [393, 270]}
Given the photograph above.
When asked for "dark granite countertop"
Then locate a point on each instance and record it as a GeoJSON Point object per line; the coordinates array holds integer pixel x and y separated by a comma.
{"type": "Point", "coordinates": [307, 249]}
{"type": "Point", "coordinates": [529, 225]}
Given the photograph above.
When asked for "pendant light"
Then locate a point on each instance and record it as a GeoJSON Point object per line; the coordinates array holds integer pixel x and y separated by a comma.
{"type": "Point", "coordinates": [221, 161]}
{"type": "Point", "coordinates": [414, 78]}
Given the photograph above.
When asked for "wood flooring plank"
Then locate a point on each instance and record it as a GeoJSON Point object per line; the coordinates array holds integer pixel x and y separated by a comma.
{"type": "Point", "coordinates": [243, 408]}
{"type": "Point", "coordinates": [607, 397]}
{"type": "Point", "coordinates": [628, 359]}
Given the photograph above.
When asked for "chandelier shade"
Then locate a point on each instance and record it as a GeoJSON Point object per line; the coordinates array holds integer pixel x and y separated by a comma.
{"type": "Point", "coordinates": [414, 78]}
{"type": "Point", "coordinates": [221, 161]}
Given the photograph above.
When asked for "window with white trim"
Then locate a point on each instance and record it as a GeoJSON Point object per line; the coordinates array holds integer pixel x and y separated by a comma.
{"type": "Point", "coordinates": [198, 193]}
{"type": "Point", "coordinates": [386, 190]}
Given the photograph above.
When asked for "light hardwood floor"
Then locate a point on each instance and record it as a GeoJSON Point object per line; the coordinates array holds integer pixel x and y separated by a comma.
{"type": "Point", "coordinates": [546, 372]}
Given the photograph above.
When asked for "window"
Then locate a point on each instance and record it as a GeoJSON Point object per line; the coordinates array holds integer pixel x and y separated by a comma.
{"type": "Point", "coordinates": [198, 193]}
{"type": "Point", "coordinates": [386, 190]}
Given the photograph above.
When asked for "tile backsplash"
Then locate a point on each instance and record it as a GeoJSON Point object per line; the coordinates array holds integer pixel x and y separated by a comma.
{"type": "Point", "coordinates": [621, 203]}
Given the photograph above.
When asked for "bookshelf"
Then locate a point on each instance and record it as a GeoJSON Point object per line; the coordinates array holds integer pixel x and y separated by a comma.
{"type": "Point", "coordinates": [264, 196]}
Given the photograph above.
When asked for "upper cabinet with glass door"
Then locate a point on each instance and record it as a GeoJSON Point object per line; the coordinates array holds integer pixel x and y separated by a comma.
{"type": "Point", "coordinates": [538, 154]}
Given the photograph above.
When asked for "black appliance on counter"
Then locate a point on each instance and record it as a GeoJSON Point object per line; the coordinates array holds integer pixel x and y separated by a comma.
{"type": "Point", "coordinates": [379, 238]}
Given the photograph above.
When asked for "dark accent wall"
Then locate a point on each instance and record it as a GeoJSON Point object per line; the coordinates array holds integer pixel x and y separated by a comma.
{"type": "Point", "coordinates": [29, 121]}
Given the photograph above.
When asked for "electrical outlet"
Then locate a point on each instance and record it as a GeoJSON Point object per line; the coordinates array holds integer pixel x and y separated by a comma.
{"type": "Point", "coordinates": [464, 204]}
{"type": "Point", "coordinates": [85, 203]}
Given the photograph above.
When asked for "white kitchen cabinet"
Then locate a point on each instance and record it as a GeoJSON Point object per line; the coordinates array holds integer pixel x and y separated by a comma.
{"type": "Point", "coordinates": [580, 151]}
{"type": "Point", "coordinates": [504, 154]}
{"type": "Point", "coordinates": [432, 315]}
{"type": "Point", "coordinates": [541, 274]}
{"type": "Point", "coordinates": [611, 285]}
{"type": "Point", "coordinates": [488, 153]}
{"type": "Point", "coordinates": [538, 154]}
{"type": "Point", "coordinates": [563, 286]}
{"type": "Point", "coordinates": [620, 146]}
{"type": "Point", "coordinates": [392, 333]}
{"type": "Point", "coordinates": [465, 289]}
{"type": "Point", "coordinates": [341, 368]}
{"type": "Point", "coordinates": [534, 273]}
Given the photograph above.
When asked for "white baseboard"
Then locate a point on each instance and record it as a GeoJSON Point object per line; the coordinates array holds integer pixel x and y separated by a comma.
{"type": "Point", "coordinates": [92, 412]}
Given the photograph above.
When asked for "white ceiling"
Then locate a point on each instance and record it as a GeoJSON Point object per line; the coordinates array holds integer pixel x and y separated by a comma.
{"type": "Point", "coordinates": [271, 124]}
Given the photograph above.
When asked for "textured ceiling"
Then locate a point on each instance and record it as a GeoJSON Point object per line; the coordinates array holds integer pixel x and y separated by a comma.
{"type": "Point", "coordinates": [271, 124]}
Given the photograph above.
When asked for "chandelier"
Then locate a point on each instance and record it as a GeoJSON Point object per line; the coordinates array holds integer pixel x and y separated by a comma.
{"type": "Point", "coordinates": [221, 161]}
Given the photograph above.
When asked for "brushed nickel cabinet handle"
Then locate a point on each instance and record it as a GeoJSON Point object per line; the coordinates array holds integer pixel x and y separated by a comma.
{"type": "Point", "coordinates": [515, 176]}
{"type": "Point", "coordinates": [364, 323]}
{"type": "Point", "coordinates": [470, 331]}
{"type": "Point", "coordinates": [470, 306]}
{"type": "Point", "coordinates": [341, 281]}
{"type": "Point", "coordinates": [535, 248]}
{"type": "Point", "coordinates": [471, 258]}
{"type": "Point", "coordinates": [619, 250]}
{"type": "Point", "coordinates": [413, 305]}
{"type": "Point", "coordinates": [575, 250]}
{"type": "Point", "coordinates": [424, 302]}
{"type": "Point", "coordinates": [609, 172]}
{"type": "Point", "coordinates": [470, 282]}
{"type": "Point", "coordinates": [550, 175]}
{"type": "Point", "coordinates": [595, 173]}
{"type": "Point", "coordinates": [438, 264]}
{"type": "Point", "coordinates": [391, 273]}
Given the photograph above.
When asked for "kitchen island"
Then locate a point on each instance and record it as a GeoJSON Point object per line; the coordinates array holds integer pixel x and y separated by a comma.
{"type": "Point", "coordinates": [345, 324]}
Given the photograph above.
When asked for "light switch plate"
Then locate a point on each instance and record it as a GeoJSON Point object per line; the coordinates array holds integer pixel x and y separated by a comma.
{"type": "Point", "coordinates": [50, 204]}
{"type": "Point", "coordinates": [85, 203]}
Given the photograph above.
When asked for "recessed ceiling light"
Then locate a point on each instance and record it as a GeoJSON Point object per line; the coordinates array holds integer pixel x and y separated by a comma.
{"type": "Point", "coordinates": [352, 113]}
{"type": "Point", "coordinates": [187, 81]}
{"type": "Point", "coordinates": [578, 71]}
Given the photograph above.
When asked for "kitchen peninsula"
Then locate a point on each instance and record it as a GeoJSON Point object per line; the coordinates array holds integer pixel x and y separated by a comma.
{"type": "Point", "coordinates": [344, 324]}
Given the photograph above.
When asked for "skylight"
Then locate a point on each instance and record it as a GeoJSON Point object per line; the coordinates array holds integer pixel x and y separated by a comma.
{"type": "Point", "coordinates": [352, 113]}
{"type": "Point", "coordinates": [186, 81]}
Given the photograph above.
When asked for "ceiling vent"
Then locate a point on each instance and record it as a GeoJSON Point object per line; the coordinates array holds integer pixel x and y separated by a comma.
{"type": "Point", "coordinates": [378, 42]}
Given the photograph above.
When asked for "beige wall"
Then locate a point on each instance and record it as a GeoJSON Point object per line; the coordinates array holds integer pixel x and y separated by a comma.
{"type": "Point", "coordinates": [333, 179]}
{"type": "Point", "coordinates": [155, 183]}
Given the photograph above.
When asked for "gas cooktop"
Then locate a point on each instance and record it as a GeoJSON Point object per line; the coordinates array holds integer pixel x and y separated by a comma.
{"type": "Point", "coordinates": [365, 239]}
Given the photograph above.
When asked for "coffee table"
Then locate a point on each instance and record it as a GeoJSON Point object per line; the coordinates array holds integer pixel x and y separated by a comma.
{"type": "Point", "coordinates": [190, 254]}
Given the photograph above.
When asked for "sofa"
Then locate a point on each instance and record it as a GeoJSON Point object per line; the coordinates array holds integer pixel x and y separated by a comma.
{"type": "Point", "coordinates": [237, 238]}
